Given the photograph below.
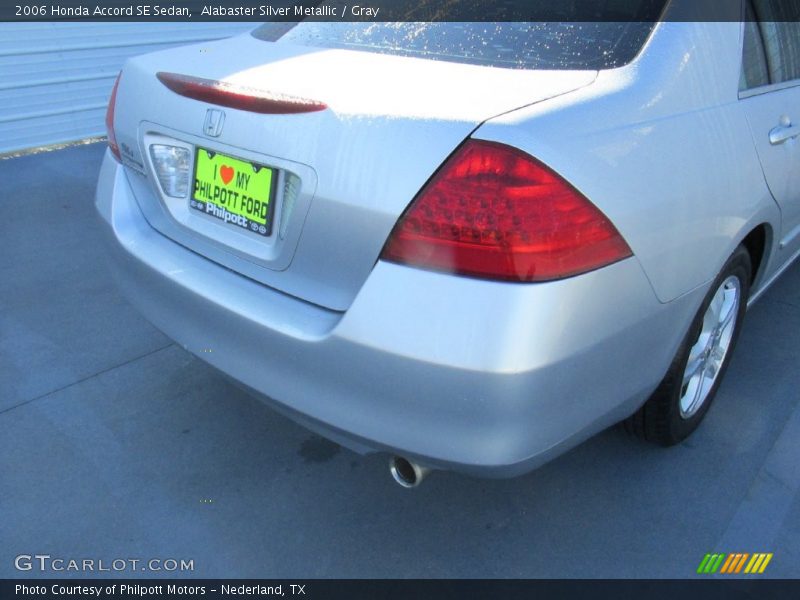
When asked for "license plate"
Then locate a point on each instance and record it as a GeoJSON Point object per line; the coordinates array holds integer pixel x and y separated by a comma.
{"type": "Point", "coordinates": [234, 191]}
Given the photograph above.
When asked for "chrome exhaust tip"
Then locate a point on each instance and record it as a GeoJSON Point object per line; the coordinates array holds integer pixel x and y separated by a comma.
{"type": "Point", "coordinates": [407, 473]}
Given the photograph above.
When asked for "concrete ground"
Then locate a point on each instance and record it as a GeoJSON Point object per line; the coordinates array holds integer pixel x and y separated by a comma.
{"type": "Point", "coordinates": [115, 443]}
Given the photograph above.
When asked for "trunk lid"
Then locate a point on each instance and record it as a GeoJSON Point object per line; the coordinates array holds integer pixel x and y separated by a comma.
{"type": "Point", "coordinates": [346, 173]}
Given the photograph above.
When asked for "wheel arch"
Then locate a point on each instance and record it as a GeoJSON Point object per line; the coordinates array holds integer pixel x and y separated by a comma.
{"type": "Point", "coordinates": [758, 242]}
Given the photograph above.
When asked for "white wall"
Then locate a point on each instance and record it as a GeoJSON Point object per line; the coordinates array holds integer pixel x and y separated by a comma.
{"type": "Point", "coordinates": [55, 78]}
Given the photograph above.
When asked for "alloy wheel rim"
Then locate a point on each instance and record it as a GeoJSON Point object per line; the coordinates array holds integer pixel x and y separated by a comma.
{"type": "Point", "coordinates": [708, 353]}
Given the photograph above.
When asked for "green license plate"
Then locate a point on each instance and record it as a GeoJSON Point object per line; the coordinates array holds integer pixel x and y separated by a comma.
{"type": "Point", "coordinates": [235, 191]}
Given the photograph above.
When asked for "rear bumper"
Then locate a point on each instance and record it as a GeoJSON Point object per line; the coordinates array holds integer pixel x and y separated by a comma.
{"type": "Point", "coordinates": [481, 377]}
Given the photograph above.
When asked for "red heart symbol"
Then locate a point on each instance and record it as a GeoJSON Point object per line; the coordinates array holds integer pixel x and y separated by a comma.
{"type": "Point", "coordinates": [226, 173]}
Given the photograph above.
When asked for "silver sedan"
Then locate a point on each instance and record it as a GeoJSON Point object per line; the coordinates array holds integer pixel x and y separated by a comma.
{"type": "Point", "coordinates": [468, 245]}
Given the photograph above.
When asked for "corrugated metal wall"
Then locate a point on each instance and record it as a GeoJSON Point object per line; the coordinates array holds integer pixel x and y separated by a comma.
{"type": "Point", "coordinates": [55, 78]}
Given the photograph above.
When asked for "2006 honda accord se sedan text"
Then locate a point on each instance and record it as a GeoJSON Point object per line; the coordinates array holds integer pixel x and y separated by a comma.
{"type": "Point", "coordinates": [468, 245]}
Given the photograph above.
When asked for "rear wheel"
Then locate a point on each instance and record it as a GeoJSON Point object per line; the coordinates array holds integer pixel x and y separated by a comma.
{"type": "Point", "coordinates": [683, 397]}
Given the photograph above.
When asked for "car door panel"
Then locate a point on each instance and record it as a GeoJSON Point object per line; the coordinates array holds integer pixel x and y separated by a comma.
{"type": "Point", "coordinates": [770, 98]}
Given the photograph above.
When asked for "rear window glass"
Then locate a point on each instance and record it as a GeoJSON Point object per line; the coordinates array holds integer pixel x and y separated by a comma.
{"type": "Point", "coordinates": [550, 45]}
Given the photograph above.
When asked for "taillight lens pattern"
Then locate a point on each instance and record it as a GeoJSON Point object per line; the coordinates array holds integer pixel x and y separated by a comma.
{"type": "Point", "coordinates": [112, 105]}
{"type": "Point", "coordinates": [494, 212]}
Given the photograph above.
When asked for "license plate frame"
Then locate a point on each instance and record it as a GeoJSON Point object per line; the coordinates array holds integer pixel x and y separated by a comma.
{"type": "Point", "coordinates": [226, 201]}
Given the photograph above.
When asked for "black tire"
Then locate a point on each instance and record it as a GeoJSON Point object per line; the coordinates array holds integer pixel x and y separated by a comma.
{"type": "Point", "coordinates": [660, 419]}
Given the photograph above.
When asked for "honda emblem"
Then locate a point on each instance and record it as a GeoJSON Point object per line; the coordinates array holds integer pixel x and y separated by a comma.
{"type": "Point", "coordinates": [215, 119]}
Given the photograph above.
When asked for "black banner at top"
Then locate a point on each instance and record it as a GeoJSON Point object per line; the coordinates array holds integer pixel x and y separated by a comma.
{"type": "Point", "coordinates": [387, 10]}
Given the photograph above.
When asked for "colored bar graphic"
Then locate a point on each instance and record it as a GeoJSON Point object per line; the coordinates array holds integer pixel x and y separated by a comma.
{"type": "Point", "coordinates": [741, 563]}
{"type": "Point", "coordinates": [733, 563]}
{"type": "Point", "coordinates": [753, 560]}
{"type": "Point", "coordinates": [703, 563]}
{"type": "Point", "coordinates": [711, 563]}
{"type": "Point", "coordinates": [766, 562]}
{"type": "Point", "coordinates": [718, 563]}
{"type": "Point", "coordinates": [728, 566]}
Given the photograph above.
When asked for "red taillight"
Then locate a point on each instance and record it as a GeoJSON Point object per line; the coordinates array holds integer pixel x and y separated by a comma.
{"type": "Point", "coordinates": [235, 96]}
{"type": "Point", "coordinates": [494, 212]}
{"type": "Point", "coordinates": [112, 102]}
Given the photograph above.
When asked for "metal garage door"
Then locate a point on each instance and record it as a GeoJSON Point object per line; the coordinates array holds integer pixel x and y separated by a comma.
{"type": "Point", "coordinates": [55, 78]}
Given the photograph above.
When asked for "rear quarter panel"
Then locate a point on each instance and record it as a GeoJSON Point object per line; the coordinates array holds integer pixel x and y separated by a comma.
{"type": "Point", "coordinates": [662, 147]}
